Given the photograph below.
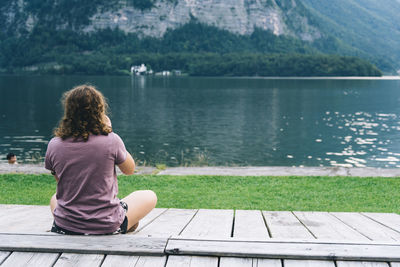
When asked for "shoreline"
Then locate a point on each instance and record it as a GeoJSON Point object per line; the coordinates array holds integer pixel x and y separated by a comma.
{"type": "Point", "coordinates": [384, 77]}
{"type": "Point", "coordinates": [389, 78]}
{"type": "Point", "coordinates": [6, 168]}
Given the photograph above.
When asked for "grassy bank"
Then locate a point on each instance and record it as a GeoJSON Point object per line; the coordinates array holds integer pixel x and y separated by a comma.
{"type": "Point", "coordinates": [231, 192]}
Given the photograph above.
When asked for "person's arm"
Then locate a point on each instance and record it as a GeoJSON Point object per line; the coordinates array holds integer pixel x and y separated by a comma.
{"type": "Point", "coordinates": [128, 166]}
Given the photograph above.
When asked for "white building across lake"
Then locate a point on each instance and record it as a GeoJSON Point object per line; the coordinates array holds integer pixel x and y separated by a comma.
{"type": "Point", "coordinates": [139, 70]}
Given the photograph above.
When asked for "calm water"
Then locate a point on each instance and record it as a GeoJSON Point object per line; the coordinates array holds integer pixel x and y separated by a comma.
{"type": "Point", "coordinates": [219, 121]}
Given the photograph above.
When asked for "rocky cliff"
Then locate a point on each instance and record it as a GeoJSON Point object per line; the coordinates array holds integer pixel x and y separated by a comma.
{"type": "Point", "coordinates": [282, 17]}
{"type": "Point", "coordinates": [237, 16]}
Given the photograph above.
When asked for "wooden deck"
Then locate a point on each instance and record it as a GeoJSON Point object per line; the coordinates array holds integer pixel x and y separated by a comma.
{"type": "Point", "coordinates": [178, 237]}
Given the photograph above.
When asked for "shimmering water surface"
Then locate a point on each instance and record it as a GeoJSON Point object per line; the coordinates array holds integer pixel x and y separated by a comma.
{"type": "Point", "coordinates": [219, 121]}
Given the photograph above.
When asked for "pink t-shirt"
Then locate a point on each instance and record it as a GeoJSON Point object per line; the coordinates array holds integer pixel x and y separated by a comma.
{"type": "Point", "coordinates": [87, 191]}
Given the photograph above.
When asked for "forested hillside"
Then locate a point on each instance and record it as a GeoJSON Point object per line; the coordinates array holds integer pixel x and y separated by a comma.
{"type": "Point", "coordinates": [195, 49]}
{"type": "Point", "coordinates": [60, 37]}
{"type": "Point", "coordinates": [371, 26]}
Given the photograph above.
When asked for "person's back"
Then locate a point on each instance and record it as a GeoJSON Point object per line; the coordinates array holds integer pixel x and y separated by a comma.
{"type": "Point", "coordinates": [82, 157]}
{"type": "Point", "coordinates": [87, 187]}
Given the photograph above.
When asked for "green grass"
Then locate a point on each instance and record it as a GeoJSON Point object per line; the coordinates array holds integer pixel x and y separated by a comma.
{"type": "Point", "coordinates": [230, 192]}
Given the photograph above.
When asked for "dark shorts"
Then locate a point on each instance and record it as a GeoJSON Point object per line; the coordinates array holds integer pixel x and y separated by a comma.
{"type": "Point", "coordinates": [121, 230]}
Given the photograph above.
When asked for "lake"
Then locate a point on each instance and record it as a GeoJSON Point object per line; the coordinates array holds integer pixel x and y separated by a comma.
{"type": "Point", "coordinates": [181, 121]}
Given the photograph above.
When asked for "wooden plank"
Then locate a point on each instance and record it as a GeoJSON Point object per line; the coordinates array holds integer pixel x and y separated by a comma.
{"type": "Point", "coordinates": [210, 223]}
{"type": "Point", "coordinates": [169, 223]}
{"type": "Point", "coordinates": [76, 260]}
{"type": "Point", "coordinates": [114, 244]}
{"type": "Point", "coordinates": [30, 259]}
{"type": "Point", "coordinates": [18, 206]}
{"type": "Point", "coordinates": [325, 226]}
{"type": "Point", "coordinates": [189, 261]}
{"type": "Point", "coordinates": [12, 206]}
{"type": "Point", "coordinates": [250, 224]}
{"type": "Point", "coordinates": [120, 260]}
{"type": "Point", "coordinates": [283, 224]}
{"type": "Point", "coordinates": [7, 210]}
{"type": "Point", "coordinates": [367, 227]}
{"type": "Point", "coordinates": [38, 219]}
{"type": "Point", "coordinates": [391, 220]}
{"type": "Point", "coordinates": [151, 261]}
{"type": "Point", "coordinates": [251, 262]}
{"type": "Point", "coordinates": [308, 263]}
{"type": "Point", "coordinates": [235, 262]}
{"type": "Point", "coordinates": [41, 218]}
{"type": "Point", "coordinates": [18, 217]}
{"type": "Point", "coordinates": [274, 249]}
{"type": "Point", "coordinates": [4, 255]}
{"type": "Point", "coordinates": [267, 263]}
{"type": "Point", "coordinates": [361, 264]}
{"type": "Point", "coordinates": [149, 218]}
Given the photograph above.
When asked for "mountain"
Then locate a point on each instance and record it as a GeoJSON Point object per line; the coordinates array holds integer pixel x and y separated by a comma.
{"type": "Point", "coordinates": [155, 17]}
{"type": "Point", "coordinates": [371, 26]}
{"type": "Point", "coordinates": [39, 31]}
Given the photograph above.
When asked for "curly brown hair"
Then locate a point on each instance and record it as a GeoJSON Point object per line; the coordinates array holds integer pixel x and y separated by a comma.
{"type": "Point", "coordinates": [84, 114]}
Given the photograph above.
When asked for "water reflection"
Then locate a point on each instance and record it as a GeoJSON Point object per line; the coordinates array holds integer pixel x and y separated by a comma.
{"type": "Point", "coordinates": [219, 121]}
{"type": "Point", "coordinates": [360, 139]}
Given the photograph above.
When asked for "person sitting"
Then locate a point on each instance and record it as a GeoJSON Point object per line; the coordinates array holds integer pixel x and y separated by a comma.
{"type": "Point", "coordinates": [12, 158]}
{"type": "Point", "coordinates": [82, 157]}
